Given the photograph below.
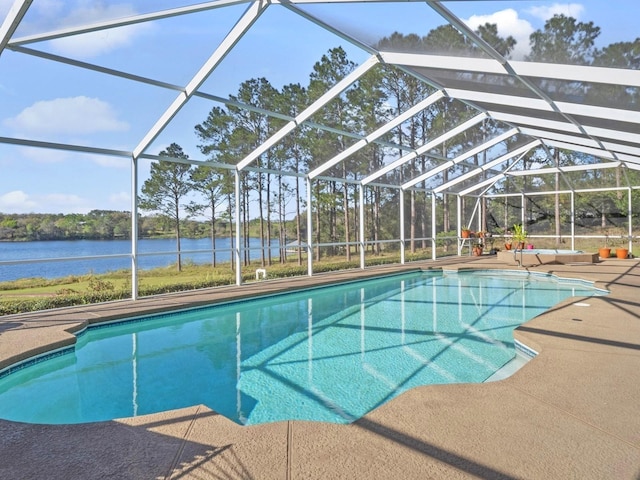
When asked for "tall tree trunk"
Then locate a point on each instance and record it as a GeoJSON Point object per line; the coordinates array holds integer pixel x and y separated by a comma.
{"type": "Point", "coordinates": [556, 155]}
{"type": "Point", "coordinates": [231, 239]}
{"type": "Point", "coordinates": [213, 240]}
{"type": "Point", "coordinates": [318, 206]}
{"type": "Point", "coordinates": [261, 218]}
{"type": "Point", "coordinates": [269, 262]}
{"type": "Point", "coordinates": [245, 225]}
{"type": "Point", "coordinates": [177, 214]}
{"type": "Point", "coordinates": [376, 219]}
{"type": "Point", "coordinates": [333, 226]}
{"type": "Point", "coordinates": [298, 220]}
{"type": "Point", "coordinates": [345, 206]}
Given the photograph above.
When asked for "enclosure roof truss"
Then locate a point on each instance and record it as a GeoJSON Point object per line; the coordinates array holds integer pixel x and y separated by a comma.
{"type": "Point", "coordinates": [608, 134]}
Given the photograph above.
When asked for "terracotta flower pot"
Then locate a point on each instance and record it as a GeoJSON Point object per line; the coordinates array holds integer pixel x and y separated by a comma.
{"type": "Point", "coordinates": [604, 252]}
{"type": "Point", "coordinates": [622, 252]}
{"type": "Point", "coordinates": [465, 233]}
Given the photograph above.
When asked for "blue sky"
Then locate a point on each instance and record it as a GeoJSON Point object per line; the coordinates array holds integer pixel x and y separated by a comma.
{"type": "Point", "coordinates": [52, 102]}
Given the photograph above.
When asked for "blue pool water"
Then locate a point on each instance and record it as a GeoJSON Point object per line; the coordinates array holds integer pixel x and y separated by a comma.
{"type": "Point", "coordinates": [327, 354]}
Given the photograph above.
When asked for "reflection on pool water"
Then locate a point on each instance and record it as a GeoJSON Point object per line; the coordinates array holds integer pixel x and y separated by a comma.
{"type": "Point", "coordinates": [327, 354]}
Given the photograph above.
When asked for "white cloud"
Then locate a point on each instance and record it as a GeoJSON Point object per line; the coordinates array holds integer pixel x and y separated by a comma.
{"type": "Point", "coordinates": [17, 202]}
{"type": "Point", "coordinates": [120, 201]}
{"type": "Point", "coordinates": [93, 44]}
{"type": "Point", "coordinates": [20, 202]}
{"type": "Point", "coordinates": [65, 203]}
{"type": "Point", "coordinates": [50, 15]}
{"type": "Point", "coordinates": [509, 24]}
{"type": "Point", "coordinates": [74, 115]}
{"type": "Point", "coordinates": [104, 41]}
{"type": "Point", "coordinates": [544, 13]}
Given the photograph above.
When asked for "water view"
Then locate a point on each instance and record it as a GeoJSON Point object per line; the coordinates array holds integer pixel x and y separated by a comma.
{"type": "Point", "coordinates": [197, 251]}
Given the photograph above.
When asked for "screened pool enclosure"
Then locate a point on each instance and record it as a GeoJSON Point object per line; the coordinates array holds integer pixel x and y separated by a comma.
{"type": "Point", "coordinates": [376, 126]}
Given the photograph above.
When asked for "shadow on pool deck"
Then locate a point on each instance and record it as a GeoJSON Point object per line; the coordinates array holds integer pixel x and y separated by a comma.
{"type": "Point", "coordinates": [572, 412]}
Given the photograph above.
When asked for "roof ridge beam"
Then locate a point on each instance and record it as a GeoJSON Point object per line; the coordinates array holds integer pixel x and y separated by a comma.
{"type": "Point", "coordinates": [310, 110]}
{"type": "Point", "coordinates": [602, 134]}
{"type": "Point", "coordinates": [425, 148]}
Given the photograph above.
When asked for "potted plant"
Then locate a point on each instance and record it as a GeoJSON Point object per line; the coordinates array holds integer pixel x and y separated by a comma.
{"type": "Point", "coordinates": [508, 241]}
{"type": "Point", "coordinates": [519, 236]}
{"type": "Point", "coordinates": [465, 232]}
{"type": "Point", "coordinates": [477, 249]}
{"type": "Point", "coordinates": [622, 252]}
{"type": "Point", "coordinates": [605, 251]}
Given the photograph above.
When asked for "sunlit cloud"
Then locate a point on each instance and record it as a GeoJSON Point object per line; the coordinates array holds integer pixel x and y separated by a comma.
{"type": "Point", "coordinates": [574, 10]}
{"type": "Point", "coordinates": [18, 201]}
{"type": "Point", "coordinates": [65, 203]}
{"type": "Point", "coordinates": [509, 24]}
{"type": "Point", "coordinates": [51, 15]}
{"type": "Point", "coordinates": [75, 115]}
{"type": "Point", "coordinates": [120, 201]}
{"type": "Point", "coordinates": [92, 44]}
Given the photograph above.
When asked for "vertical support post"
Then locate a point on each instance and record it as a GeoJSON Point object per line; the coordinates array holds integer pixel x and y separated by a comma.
{"type": "Point", "coordinates": [573, 221]}
{"type": "Point", "coordinates": [630, 223]}
{"type": "Point", "coordinates": [522, 208]}
{"type": "Point", "coordinates": [434, 255]}
{"type": "Point", "coordinates": [402, 234]}
{"type": "Point", "coordinates": [362, 241]}
{"type": "Point", "coordinates": [237, 250]}
{"type": "Point", "coordinates": [134, 228]}
{"type": "Point", "coordinates": [459, 221]}
{"type": "Point", "coordinates": [309, 230]}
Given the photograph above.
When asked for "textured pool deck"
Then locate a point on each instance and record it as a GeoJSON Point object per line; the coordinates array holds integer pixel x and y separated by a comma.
{"type": "Point", "coordinates": [571, 413]}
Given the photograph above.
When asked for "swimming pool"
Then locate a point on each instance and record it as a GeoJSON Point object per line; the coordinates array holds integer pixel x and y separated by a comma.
{"type": "Point", "coordinates": [326, 354]}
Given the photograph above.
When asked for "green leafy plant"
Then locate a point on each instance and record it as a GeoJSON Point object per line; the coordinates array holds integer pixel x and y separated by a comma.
{"type": "Point", "coordinates": [519, 233]}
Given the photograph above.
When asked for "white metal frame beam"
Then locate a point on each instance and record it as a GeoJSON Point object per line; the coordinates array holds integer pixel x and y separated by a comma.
{"type": "Point", "coordinates": [425, 148]}
{"type": "Point", "coordinates": [122, 22]}
{"type": "Point", "coordinates": [572, 73]}
{"type": "Point", "coordinates": [488, 166]}
{"type": "Point", "coordinates": [584, 110]}
{"type": "Point", "coordinates": [463, 156]}
{"type": "Point", "coordinates": [329, 95]}
{"type": "Point", "coordinates": [430, 100]}
{"type": "Point", "coordinates": [240, 28]}
{"type": "Point", "coordinates": [16, 13]}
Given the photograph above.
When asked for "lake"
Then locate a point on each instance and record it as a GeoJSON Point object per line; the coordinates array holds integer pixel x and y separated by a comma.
{"type": "Point", "coordinates": [152, 253]}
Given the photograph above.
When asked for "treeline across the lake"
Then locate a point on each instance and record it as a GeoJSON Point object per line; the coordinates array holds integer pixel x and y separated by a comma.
{"type": "Point", "coordinates": [98, 225]}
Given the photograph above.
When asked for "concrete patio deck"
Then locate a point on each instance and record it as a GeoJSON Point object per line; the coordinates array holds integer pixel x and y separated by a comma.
{"type": "Point", "coordinates": [572, 412]}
